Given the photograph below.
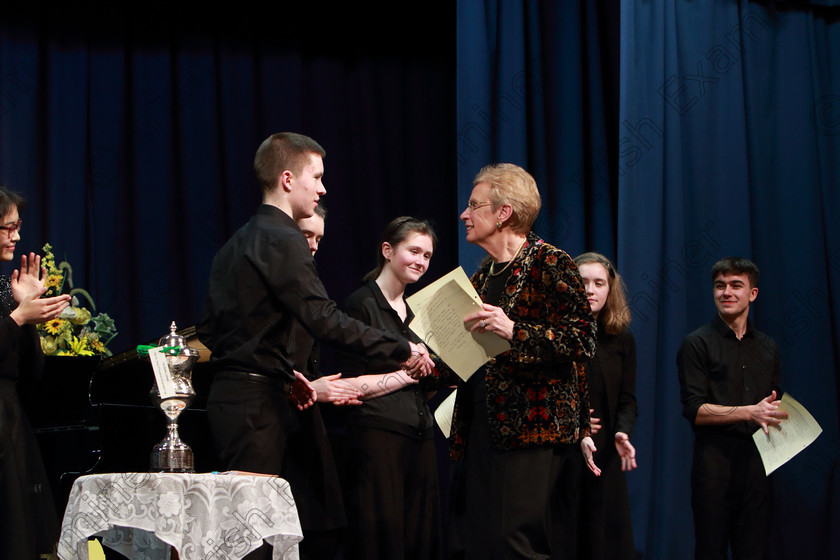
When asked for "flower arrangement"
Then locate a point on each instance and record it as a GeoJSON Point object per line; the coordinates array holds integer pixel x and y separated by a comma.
{"type": "Point", "coordinates": [76, 332]}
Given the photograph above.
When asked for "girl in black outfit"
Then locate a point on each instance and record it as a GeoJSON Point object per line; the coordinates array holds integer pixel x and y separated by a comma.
{"type": "Point", "coordinates": [390, 470]}
{"type": "Point", "coordinates": [606, 531]}
{"type": "Point", "coordinates": [28, 521]}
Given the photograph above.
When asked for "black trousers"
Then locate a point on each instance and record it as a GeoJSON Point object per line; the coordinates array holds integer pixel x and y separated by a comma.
{"type": "Point", "coordinates": [515, 504]}
{"type": "Point", "coordinates": [29, 524]}
{"type": "Point", "coordinates": [731, 498]}
{"type": "Point", "coordinates": [255, 428]}
{"type": "Point", "coordinates": [392, 496]}
{"type": "Point", "coordinates": [605, 527]}
{"type": "Point", "coordinates": [250, 422]}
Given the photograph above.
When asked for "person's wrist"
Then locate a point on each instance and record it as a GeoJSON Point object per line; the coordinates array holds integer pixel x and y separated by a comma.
{"type": "Point", "coordinates": [17, 318]}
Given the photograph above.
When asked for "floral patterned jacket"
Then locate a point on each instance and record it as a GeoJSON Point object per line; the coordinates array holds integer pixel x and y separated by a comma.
{"type": "Point", "coordinates": [536, 391]}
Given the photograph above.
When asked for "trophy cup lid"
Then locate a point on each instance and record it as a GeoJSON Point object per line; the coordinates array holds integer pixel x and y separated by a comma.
{"type": "Point", "coordinates": [174, 340]}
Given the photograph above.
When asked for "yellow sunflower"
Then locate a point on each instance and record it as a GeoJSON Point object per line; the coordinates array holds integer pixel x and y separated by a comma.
{"type": "Point", "coordinates": [54, 326]}
{"type": "Point", "coordinates": [52, 281]}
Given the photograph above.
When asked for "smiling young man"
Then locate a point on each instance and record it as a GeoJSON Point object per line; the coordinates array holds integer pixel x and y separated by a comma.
{"type": "Point", "coordinates": [729, 377]}
{"type": "Point", "coordinates": [262, 282]}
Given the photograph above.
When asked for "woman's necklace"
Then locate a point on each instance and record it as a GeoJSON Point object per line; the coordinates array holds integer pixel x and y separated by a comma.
{"type": "Point", "coordinates": [493, 273]}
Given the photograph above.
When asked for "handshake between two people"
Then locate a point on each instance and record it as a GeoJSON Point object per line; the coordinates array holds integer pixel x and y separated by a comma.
{"type": "Point", "coordinates": [419, 364]}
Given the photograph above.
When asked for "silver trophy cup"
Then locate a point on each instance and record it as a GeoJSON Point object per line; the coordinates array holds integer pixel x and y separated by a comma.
{"type": "Point", "coordinates": [172, 454]}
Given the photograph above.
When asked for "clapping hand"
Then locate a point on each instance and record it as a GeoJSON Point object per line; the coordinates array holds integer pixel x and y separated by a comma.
{"type": "Point", "coordinates": [28, 285]}
{"type": "Point", "coordinates": [28, 281]}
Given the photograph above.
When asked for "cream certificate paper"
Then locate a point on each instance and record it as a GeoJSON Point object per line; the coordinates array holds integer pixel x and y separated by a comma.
{"type": "Point", "coordinates": [796, 433]}
{"type": "Point", "coordinates": [439, 310]}
{"type": "Point", "coordinates": [420, 298]}
{"type": "Point", "coordinates": [444, 413]}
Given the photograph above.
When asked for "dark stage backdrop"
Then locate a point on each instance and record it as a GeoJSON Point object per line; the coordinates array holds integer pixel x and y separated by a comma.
{"type": "Point", "coordinates": [726, 143]}
{"type": "Point", "coordinates": [132, 131]}
{"type": "Point", "coordinates": [538, 87]}
{"type": "Point", "coordinates": [730, 145]}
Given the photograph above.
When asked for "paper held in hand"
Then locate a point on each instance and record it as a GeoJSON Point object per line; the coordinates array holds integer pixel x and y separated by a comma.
{"type": "Point", "coordinates": [793, 435]}
{"type": "Point", "coordinates": [444, 413]}
{"type": "Point", "coordinates": [439, 310]}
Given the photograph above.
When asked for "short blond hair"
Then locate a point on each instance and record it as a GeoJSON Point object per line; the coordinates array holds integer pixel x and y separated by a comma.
{"type": "Point", "coordinates": [512, 185]}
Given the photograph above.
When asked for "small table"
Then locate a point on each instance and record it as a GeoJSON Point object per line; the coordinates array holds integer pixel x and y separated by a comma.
{"type": "Point", "coordinates": [201, 516]}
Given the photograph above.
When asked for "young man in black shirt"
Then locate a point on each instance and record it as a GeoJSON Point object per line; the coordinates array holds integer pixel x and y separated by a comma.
{"type": "Point", "coordinates": [263, 281]}
{"type": "Point", "coordinates": [729, 378]}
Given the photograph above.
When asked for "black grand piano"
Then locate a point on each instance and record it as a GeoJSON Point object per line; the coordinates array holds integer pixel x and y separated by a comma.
{"type": "Point", "coordinates": [94, 415]}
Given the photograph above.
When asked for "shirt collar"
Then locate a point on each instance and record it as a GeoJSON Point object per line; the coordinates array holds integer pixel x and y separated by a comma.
{"type": "Point", "coordinates": [723, 329]}
{"type": "Point", "coordinates": [383, 303]}
{"type": "Point", "coordinates": [273, 212]}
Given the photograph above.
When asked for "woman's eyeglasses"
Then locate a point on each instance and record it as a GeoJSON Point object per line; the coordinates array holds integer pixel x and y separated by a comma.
{"type": "Point", "coordinates": [12, 227]}
{"type": "Point", "coordinates": [472, 205]}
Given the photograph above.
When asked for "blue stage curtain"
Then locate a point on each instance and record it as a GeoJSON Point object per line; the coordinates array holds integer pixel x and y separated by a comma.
{"type": "Point", "coordinates": [729, 144]}
{"type": "Point", "coordinates": [131, 130]}
{"type": "Point", "coordinates": [535, 88]}
{"type": "Point", "coordinates": [726, 143]}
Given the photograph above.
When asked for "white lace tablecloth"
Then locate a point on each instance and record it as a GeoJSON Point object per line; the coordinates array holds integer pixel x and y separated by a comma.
{"type": "Point", "coordinates": [202, 516]}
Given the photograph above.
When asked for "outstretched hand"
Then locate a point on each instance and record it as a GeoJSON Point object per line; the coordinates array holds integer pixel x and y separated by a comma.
{"type": "Point", "coordinates": [419, 364]}
{"type": "Point", "coordinates": [302, 393]}
{"type": "Point", "coordinates": [587, 447]}
{"type": "Point", "coordinates": [626, 451]}
{"type": "Point", "coordinates": [333, 389]}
